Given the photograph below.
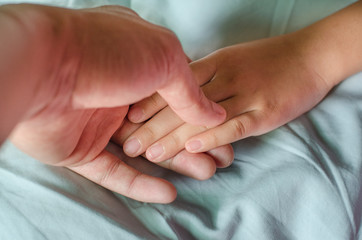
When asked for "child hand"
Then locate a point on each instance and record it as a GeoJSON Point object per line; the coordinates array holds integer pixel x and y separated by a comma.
{"type": "Point", "coordinates": [199, 166]}
{"type": "Point", "coordinates": [261, 84]}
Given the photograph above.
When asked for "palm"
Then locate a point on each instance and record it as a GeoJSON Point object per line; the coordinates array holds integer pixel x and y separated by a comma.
{"type": "Point", "coordinates": [102, 63]}
{"type": "Point", "coordinates": [77, 139]}
{"type": "Point", "coordinates": [67, 136]}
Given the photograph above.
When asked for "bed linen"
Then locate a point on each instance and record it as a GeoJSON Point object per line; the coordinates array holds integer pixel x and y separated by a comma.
{"type": "Point", "coordinates": [300, 181]}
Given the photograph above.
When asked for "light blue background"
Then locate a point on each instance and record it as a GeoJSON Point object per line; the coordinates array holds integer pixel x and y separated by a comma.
{"type": "Point", "coordinates": [301, 181]}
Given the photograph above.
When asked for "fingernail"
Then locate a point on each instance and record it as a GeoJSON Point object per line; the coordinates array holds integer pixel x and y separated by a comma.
{"type": "Point", "coordinates": [193, 146]}
{"type": "Point", "coordinates": [154, 151]}
{"type": "Point", "coordinates": [136, 114]}
{"type": "Point", "coordinates": [132, 146]}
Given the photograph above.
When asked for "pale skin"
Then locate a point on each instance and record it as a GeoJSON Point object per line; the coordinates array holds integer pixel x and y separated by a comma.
{"type": "Point", "coordinates": [262, 85]}
{"type": "Point", "coordinates": [67, 78]}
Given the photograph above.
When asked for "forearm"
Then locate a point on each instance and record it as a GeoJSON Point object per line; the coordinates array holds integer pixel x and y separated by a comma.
{"type": "Point", "coordinates": [333, 46]}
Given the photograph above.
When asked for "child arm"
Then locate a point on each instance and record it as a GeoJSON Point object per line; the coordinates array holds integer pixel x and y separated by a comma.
{"type": "Point", "coordinates": [262, 85]}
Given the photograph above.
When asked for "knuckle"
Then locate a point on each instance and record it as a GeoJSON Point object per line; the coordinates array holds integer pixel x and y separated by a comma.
{"type": "Point", "coordinates": [171, 39]}
{"type": "Point", "coordinates": [223, 155]}
{"type": "Point", "coordinates": [174, 142]}
{"type": "Point", "coordinates": [147, 133]}
{"type": "Point", "coordinates": [170, 164]}
{"type": "Point", "coordinates": [169, 42]}
{"type": "Point", "coordinates": [111, 169]}
{"type": "Point", "coordinates": [154, 101]}
{"type": "Point", "coordinates": [173, 54]}
{"type": "Point", "coordinates": [239, 128]}
{"type": "Point", "coordinates": [270, 107]}
{"type": "Point", "coordinates": [229, 155]}
{"type": "Point", "coordinates": [213, 139]}
{"type": "Point", "coordinates": [210, 139]}
{"type": "Point", "coordinates": [132, 183]}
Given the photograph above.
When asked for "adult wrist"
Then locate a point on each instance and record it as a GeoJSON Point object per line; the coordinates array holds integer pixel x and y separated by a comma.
{"type": "Point", "coordinates": [19, 68]}
{"type": "Point", "coordinates": [45, 49]}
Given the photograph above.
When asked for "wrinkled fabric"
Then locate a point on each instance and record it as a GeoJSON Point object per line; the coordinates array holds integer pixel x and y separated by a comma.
{"type": "Point", "coordinates": [300, 181]}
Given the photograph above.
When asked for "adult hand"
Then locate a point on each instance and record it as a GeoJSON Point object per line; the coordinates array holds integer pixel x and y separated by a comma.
{"type": "Point", "coordinates": [90, 64]}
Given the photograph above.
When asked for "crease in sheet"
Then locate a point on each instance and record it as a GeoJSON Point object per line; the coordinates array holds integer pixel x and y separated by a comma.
{"type": "Point", "coordinates": [332, 174]}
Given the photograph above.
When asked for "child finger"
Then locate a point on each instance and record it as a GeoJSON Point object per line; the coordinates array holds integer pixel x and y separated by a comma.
{"type": "Point", "coordinates": [125, 131]}
{"type": "Point", "coordinates": [200, 166]}
{"type": "Point", "coordinates": [233, 130]}
{"type": "Point", "coordinates": [110, 172]}
{"type": "Point", "coordinates": [203, 70]}
{"type": "Point", "coordinates": [173, 142]}
{"type": "Point", "coordinates": [143, 110]}
{"type": "Point", "coordinates": [163, 123]}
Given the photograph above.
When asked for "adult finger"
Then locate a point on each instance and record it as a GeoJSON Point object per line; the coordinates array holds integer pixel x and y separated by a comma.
{"type": "Point", "coordinates": [223, 155]}
{"type": "Point", "coordinates": [149, 106]}
{"type": "Point", "coordinates": [143, 110]}
{"type": "Point", "coordinates": [200, 166]}
{"type": "Point", "coordinates": [188, 101]}
{"type": "Point", "coordinates": [112, 173]}
{"type": "Point", "coordinates": [127, 129]}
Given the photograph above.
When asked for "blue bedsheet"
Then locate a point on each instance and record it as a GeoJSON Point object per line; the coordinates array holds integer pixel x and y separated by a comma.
{"type": "Point", "coordinates": [301, 181]}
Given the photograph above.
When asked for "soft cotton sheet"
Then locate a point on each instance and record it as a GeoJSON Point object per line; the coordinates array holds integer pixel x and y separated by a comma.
{"type": "Point", "coordinates": [301, 181]}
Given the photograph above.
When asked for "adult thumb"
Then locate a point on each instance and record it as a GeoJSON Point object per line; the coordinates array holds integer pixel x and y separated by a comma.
{"type": "Point", "coordinates": [188, 101]}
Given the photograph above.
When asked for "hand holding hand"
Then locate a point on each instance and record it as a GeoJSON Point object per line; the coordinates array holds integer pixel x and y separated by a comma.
{"type": "Point", "coordinates": [94, 63]}
{"type": "Point", "coordinates": [262, 85]}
